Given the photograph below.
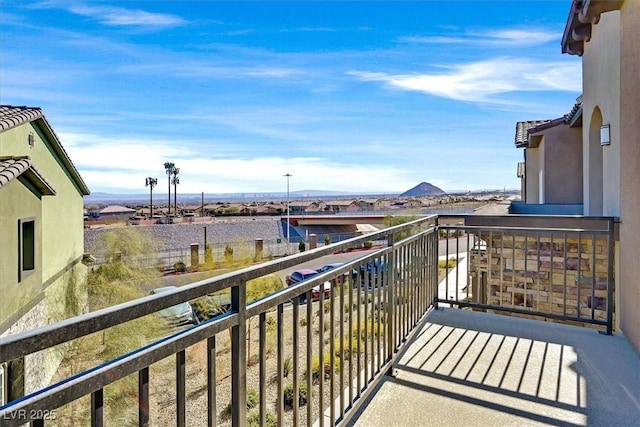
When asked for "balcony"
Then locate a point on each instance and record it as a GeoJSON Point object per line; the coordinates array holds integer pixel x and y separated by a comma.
{"type": "Point", "coordinates": [434, 327]}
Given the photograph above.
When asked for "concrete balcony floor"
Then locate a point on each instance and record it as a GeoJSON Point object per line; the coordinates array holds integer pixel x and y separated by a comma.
{"type": "Point", "coordinates": [465, 368]}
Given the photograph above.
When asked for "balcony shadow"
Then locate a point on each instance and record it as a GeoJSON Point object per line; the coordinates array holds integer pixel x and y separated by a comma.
{"type": "Point", "coordinates": [475, 369]}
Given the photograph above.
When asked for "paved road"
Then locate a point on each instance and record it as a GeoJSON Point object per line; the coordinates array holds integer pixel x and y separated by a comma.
{"type": "Point", "coordinates": [314, 264]}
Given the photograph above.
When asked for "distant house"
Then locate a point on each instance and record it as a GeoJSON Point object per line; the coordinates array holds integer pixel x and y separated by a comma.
{"type": "Point", "coordinates": [342, 206]}
{"type": "Point", "coordinates": [41, 240]}
{"type": "Point", "coordinates": [369, 204]}
{"type": "Point", "coordinates": [116, 213]}
{"type": "Point", "coordinates": [304, 207]}
{"type": "Point", "coordinates": [552, 167]}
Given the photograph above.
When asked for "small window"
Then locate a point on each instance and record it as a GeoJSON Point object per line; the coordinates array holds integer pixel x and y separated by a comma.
{"type": "Point", "coordinates": [27, 250]}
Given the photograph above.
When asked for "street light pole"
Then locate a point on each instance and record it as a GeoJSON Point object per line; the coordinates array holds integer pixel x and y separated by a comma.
{"type": "Point", "coordinates": [288, 207]}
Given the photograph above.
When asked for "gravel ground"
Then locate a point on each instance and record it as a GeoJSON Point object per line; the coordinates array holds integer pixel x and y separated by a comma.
{"type": "Point", "coordinates": [163, 411]}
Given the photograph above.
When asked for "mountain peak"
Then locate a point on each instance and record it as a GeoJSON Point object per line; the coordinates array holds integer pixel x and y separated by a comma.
{"type": "Point", "coordinates": [423, 189]}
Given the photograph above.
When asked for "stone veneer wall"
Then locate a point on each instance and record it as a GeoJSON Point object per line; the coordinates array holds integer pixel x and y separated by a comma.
{"type": "Point", "coordinates": [541, 272]}
{"type": "Point", "coordinates": [69, 288]}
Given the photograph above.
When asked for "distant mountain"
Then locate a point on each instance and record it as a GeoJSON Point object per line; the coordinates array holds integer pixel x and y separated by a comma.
{"type": "Point", "coordinates": [423, 189]}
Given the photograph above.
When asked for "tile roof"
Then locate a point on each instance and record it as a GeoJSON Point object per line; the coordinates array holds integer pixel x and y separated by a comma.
{"type": "Point", "coordinates": [13, 167]}
{"type": "Point", "coordinates": [524, 129]}
{"type": "Point", "coordinates": [11, 117]}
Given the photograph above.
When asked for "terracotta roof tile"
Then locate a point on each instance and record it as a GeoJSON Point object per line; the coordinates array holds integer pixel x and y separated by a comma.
{"type": "Point", "coordinates": [13, 167]}
{"type": "Point", "coordinates": [522, 130]}
{"type": "Point", "coordinates": [11, 116]}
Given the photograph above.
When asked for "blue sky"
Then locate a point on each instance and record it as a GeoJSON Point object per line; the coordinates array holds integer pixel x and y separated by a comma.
{"type": "Point", "coordinates": [356, 97]}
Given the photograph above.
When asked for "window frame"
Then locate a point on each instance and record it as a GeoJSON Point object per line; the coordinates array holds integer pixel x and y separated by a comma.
{"type": "Point", "coordinates": [23, 272]}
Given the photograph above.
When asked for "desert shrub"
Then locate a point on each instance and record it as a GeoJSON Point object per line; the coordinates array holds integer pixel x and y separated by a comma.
{"type": "Point", "coordinates": [179, 267]}
{"type": "Point", "coordinates": [288, 395]}
{"type": "Point", "coordinates": [326, 306]}
{"type": "Point", "coordinates": [253, 398]}
{"type": "Point", "coordinates": [327, 239]}
{"type": "Point", "coordinates": [228, 253]}
{"type": "Point", "coordinates": [287, 366]}
{"type": "Point", "coordinates": [208, 255]}
{"type": "Point", "coordinates": [365, 329]}
{"type": "Point", "coordinates": [271, 324]}
{"type": "Point", "coordinates": [302, 246]}
{"type": "Point", "coordinates": [324, 368]}
{"type": "Point", "coordinates": [348, 351]}
{"type": "Point", "coordinates": [253, 419]}
{"type": "Point", "coordinates": [449, 263]}
{"type": "Point", "coordinates": [263, 286]}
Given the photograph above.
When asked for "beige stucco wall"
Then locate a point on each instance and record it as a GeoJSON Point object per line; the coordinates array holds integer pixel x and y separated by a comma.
{"type": "Point", "coordinates": [563, 165]}
{"type": "Point", "coordinates": [601, 83]}
{"type": "Point", "coordinates": [532, 172]}
{"type": "Point", "coordinates": [629, 133]}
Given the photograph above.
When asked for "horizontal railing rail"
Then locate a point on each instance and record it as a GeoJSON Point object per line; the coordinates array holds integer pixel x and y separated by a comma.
{"type": "Point", "coordinates": [361, 306]}
{"type": "Point", "coordinates": [558, 268]}
{"type": "Point", "coordinates": [311, 353]}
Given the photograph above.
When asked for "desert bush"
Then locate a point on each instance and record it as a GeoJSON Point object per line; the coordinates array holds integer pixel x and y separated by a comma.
{"type": "Point", "coordinates": [324, 368]}
{"type": "Point", "coordinates": [263, 286]}
{"type": "Point", "coordinates": [302, 246]}
{"type": "Point", "coordinates": [253, 419]}
{"type": "Point", "coordinates": [179, 267]}
{"type": "Point", "coordinates": [253, 398]}
{"type": "Point", "coordinates": [326, 306]}
{"type": "Point", "coordinates": [288, 395]}
{"type": "Point", "coordinates": [228, 253]}
{"type": "Point", "coordinates": [208, 256]}
{"type": "Point", "coordinates": [348, 351]}
{"type": "Point", "coordinates": [365, 329]}
{"type": "Point", "coordinates": [449, 263]}
{"type": "Point", "coordinates": [287, 366]}
{"type": "Point", "coordinates": [327, 239]}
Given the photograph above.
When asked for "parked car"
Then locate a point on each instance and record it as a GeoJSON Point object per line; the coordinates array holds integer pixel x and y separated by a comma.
{"type": "Point", "coordinates": [326, 290]}
{"type": "Point", "coordinates": [329, 267]}
{"type": "Point", "coordinates": [179, 314]}
{"type": "Point", "coordinates": [370, 273]}
{"type": "Point", "coordinates": [299, 276]}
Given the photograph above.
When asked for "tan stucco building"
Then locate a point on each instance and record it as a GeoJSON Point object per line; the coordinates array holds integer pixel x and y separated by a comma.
{"type": "Point", "coordinates": [605, 34]}
{"type": "Point", "coordinates": [41, 239]}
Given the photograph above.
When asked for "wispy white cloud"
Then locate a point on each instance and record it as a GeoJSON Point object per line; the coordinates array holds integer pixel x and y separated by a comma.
{"type": "Point", "coordinates": [485, 81]}
{"type": "Point", "coordinates": [504, 37]}
{"type": "Point", "coordinates": [103, 165]}
{"type": "Point", "coordinates": [119, 16]}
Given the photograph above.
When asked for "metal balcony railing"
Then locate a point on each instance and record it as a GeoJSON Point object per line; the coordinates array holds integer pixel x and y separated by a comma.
{"type": "Point", "coordinates": [336, 348]}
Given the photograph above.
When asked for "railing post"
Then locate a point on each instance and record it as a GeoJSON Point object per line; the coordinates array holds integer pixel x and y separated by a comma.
{"type": "Point", "coordinates": [610, 278]}
{"type": "Point", "coordinates": [391, 302]}
{"type": "Point", "coordinates": [239, 356]}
